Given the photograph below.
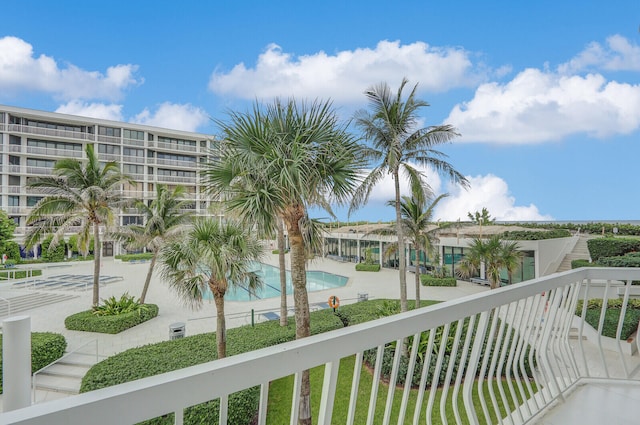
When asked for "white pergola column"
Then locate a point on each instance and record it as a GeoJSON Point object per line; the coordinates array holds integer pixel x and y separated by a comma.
{"type": "Point", "coordinates": [16, 362]}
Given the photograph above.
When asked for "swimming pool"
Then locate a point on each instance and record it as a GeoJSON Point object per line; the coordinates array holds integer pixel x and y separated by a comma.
{"type": "Point", "coordinates": [316, 281]}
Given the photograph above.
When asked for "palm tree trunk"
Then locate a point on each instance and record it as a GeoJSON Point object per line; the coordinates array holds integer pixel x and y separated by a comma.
{"type": "Point", "coordinates": [221, 327]}
{"type": "Point", "coordinates": [283, 274]}
{"type": "Point", "coordinates": [148, 279]}
{"type": "Point", "coordinates": [418, 278]}
{"type": "Point", "coordinates": [97, 252]}
{"type": "Point", "coordinates": [301, 300]}
{"type": "Point", "coordinates": [402, 265]}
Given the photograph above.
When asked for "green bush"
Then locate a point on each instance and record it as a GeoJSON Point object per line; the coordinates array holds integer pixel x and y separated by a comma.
{"type": "Point", "coordinates": [54, 255]}
{"type": "Point", "coordinates": [277, 251]}
{"type": "Point", "coordinates": [135, 257]}
{"type": "Point", "coordinates": [89, 322]}
{"type": "Point", "coordinates": [46, 347]}
{"type": "Point", "coordinates": [576, 264]}
{"type": "Point", "coordinates": [19, 274]}
{"type": "Point", "coordinates": [428, 280]}
{"type": "Point", "coordinates": [362, 267]}
{"type": "Point", "coordinates": [611, 316]}
{"type": "Point", "coordinates": [166, 356]}
{"type": "Point", "coordinates": [623, 261]}
{"type": "Point", "coordinates": [113, 307]}
{"type": "Point", "coordinates": [611, 247]}
{"type": "Point", "coordinates": [528, 235]}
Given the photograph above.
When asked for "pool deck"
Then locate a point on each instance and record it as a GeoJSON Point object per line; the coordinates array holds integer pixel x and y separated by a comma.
{"type": "Point", "coordinates": [50, 318]}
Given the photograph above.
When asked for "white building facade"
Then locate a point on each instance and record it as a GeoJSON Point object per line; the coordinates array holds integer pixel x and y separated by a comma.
{"type": "Point", "coordinates": [32, 141]}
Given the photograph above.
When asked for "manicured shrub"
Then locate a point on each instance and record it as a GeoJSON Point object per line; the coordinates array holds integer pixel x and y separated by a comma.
{"type": "Point", "coordinates": [277, 251]}
{"type": "Point", "coordinates": [19, 274]}
{"type": "Point", "coordinates": [428, 280]}
{"type": "Point", "coordinates": [46, 347]}
{"type": "Point", "coordinates": [528, 235]}
{"type": "Point", "coordinates": [623, 261]}
{"type": "Point", "coordinates": [89, 322]}
{"type": "Point", "coordinates": [611, 247]}
{"type": "Point", "coordinates": [363, 267]}
{"type": "Point", "coordinates": [162, 357]}
{"type": "Point", "coordinates": [135, 257]}
{"type": "Point", "coordinates": [611, 316]}
{"type": "Point", "coordinates": [576, 264]}
{"type": "Point", "coordinates": [54, 255]}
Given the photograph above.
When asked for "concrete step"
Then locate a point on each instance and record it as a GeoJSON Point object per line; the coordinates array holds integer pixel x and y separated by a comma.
{"type": "Point", "coordinates": [79, 359]}
{"type": "Point", "coordinates": [56, 383]}
{"type": "Point", "coordinates": [574, 333]}
{"type": "Point", "coordinates": [30, 301]}
{"type": "Point", "coordinates": [70, 370]}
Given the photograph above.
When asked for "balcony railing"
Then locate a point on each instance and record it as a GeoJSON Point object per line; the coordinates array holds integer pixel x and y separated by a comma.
{"type": "Point", "coordinates": [50, 132]}
{"type": "Point", "coordinates": [65, 153]}
{"type": "Point", "coordinates": [499, 347]}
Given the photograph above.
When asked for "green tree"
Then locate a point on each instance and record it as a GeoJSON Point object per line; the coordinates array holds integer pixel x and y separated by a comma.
{"type": "Point", "coordinates": [79, 193]}
{"type": "Point", "coordinates": [164, 219]}
{"type": "Point", "coordinates": [277, 161]}
{"type": "Point", "coordinates": [481, 218]}
{"type": "Point", "coordinates": [211, 255]}
{"type": "Point", "coordinates": [395, 143]}
{"type": "Point", "coordinates": [496, 255]}
{"type": "Point", "coordinates": [7, 227]}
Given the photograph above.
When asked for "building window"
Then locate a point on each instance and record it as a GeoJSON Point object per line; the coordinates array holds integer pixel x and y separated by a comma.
{"type": "Point", "coordinates": [174, 157]}
{"type": "Point", "coordinates": [109, 131]}
{"type": "Point", "coordinates": [133, 134]}
{"type": "Point", "coordinates": [176, 173]}
{"type": "Point", "coordinates": [14, 201]}
{"type": "Point", "coordinates": [177, 142]}
{"type": "Point", "coordinates": [109, 149]}
{"type": "Point", "coordinates": [44, 163]}
{"type": "Point", "coordinates": [14, 160]}
{"type": "Point", "coordinates": [47, 144]}
{"type": "Point", "coordinates": [133, 152]}
{"type": "Point", "coordinates": [14, 180]}
{"type": "Point", "coordinates": [15, 140]}
{"type": "Point", "coordinates": [132, 169]}
{"type": "Point", "coordinates": [33, 200]}
{"type": "Point", "coordinates": [131, 219]}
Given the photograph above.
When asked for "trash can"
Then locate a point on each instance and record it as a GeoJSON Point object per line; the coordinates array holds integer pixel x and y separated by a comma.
{"type": "Point", "coordinates": [176, 330]}
{"type": "Point", "coordinates": [363, 297]}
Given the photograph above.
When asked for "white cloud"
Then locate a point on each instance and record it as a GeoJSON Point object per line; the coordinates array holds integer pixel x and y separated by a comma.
{"type": "Point", "coordinates": [538, 106]}
{"type": "Point", "coordinates": [21, 71]}
{"type": "Point", "coordinates": [175, 116]}
{"type": "Point", "coordinates": [618, 55]}
{"type": "Point", "coordinates": [385, 189]}
{"type": "Point", "coordinates": [346, 74]}
{"type": "Point", "coordinates": [489, 192]}
{"type": "Point", "coordinates": [94, 110]}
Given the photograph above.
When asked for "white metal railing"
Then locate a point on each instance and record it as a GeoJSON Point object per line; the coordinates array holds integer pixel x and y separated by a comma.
{"type": "Point", "coordinates": [67, 134]}
{"type": "Point", "coordinates": [8, 304]}
{"type": "Point", "coordinates": [509, 347]}
{"type": "Point", "coordinates": [65, 153]}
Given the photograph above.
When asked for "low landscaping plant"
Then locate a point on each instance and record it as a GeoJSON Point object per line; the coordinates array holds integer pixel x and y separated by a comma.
{"type": "Point", "coordinates": [19, 274]}
{"type": "Point", "coordinates": [576, 264]}
{"type": "Point", "coordinates": [362, 267]}
{"type": "Point", "coordinates": [528, 235]}
{"type": "Point", "coordinates": [428, 280]}
{"type": "Point", "coordinates": [135, 257]}
{"type": "Point", "coordinates": [46, 347]}
{"type": "Point", "coordinates": [113, 307]}
{"type": "Point", "coordinates": [611, 247]}
{"type": "Point", "coordinates": [611, 316]}
{"type": "Point", "coordinates": [627, 260]}
{"type": "Point", "coordinates": [101, 320]}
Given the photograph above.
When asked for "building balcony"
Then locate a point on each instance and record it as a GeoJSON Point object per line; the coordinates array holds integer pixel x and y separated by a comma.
{"type": "Point", "coordinates": [62, 153]}
{"type": "Point", "coordinates": [50, 132]}
{"type": "Point", "coordinates": [510, 349]}
{"type": "Point", "coordinates": [40, 170]}
{"type": "Point", "coordinates": [132, 142]}
{"type": "Point", "coordinates": [175, 179]}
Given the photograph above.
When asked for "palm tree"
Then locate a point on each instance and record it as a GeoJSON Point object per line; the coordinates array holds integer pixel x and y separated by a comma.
{"type": "Point", "coordinates": [80, 193]}
{"type": "Point", "coordinates": [213, 256]}
{"type": "Point", "coordinates": [276, 162]}
{"type": "Point", "coordinates": [164, 218]}
{"type": "Point", "coordinates": [390, 126]}
{"type": "Point", "coordinates": [495, 254]}
{"type": "Point", "coordinates": [283, 271]}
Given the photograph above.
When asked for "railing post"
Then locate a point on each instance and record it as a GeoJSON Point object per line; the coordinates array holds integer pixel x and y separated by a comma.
{"type": "Point", "coordinates": [16, 360]}
{"type": "Point", "coordinates": [328, 392]}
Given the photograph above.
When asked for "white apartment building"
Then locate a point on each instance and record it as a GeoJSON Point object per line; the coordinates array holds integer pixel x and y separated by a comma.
{"type": "Point", "coordinates": [31, 141]}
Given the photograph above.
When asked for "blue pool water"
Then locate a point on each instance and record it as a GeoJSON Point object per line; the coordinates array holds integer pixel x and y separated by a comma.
{"type": "Point", "coordinates": [316, 281]}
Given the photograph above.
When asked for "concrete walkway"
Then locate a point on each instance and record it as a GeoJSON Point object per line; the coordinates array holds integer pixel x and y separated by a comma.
{"type": "Point", "coordinates": [50, 318]}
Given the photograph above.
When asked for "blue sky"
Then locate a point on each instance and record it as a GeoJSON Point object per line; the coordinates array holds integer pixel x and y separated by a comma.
{"type": "Point", "coordinates": [545, 94]}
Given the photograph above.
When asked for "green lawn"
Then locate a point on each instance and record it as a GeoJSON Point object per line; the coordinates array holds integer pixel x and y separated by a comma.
{"type": "Point", "coordinates": [280, 395]}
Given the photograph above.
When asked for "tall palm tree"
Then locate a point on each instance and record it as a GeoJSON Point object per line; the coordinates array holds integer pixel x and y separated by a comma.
{"type": "Point", "coordinates": [283, 271]}
{"type": "Point", "coordinates": [396, 143]}
{"type": "Point", "coordinates": [213, 256]}
{"type": "Point", "coordinates": [80, 193]}
{"type": "Point", "coordinates": [495, 254]}
{"type": "Point", "coordinates": [164, 219]}
{"type": "Point", "coordinates": [276, 162]}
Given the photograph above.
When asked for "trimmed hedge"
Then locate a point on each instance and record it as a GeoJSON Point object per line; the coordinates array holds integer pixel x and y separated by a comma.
{"type": "Point", "coordinates": [134, 257]}
{"type": "Point", "coordinates": [528, 235]}
{"type": "Point", "coordinates": [277, 251]}
{"type": "Point", "coordinates": [166, 356]}
{"type": "Point", "coordinates": [89, 322]}
{"type": "Point", "coordinates": [624, 261]}
{"type": "Point", "coordinates": [46, 347]}
{"type": "Point", "coordinates": [576, 264]}
{"type": "Point", "coordinates": [611, 247]}
{"type": "Point", "coordinates": [363, 267]}
{"type": "Point", "coordinates": [19, 274]}
{"type": "Point", "coordinates": [428, 280]}
{"type": "Point", "coordinates": [611, 316]}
